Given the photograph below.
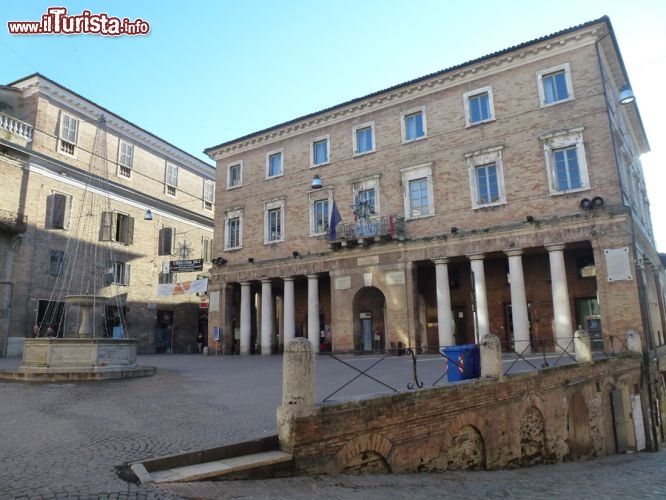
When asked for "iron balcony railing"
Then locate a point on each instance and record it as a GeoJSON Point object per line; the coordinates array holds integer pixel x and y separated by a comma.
{"type": "Point", "coordinates": [388, 227]}
{"type": "Point", "coordinates": [13, 222]}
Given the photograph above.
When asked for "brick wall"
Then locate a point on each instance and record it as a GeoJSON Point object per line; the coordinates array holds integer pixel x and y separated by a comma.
{"type": "Point", "coordinates": [540, 417]}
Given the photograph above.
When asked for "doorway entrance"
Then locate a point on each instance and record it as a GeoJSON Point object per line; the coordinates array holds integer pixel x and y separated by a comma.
{"type": "Point", "coordinates": [369, 320]}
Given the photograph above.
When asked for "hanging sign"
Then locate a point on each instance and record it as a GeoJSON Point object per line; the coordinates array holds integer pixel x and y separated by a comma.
{"type": "Point", "coordinates": [186, 266]}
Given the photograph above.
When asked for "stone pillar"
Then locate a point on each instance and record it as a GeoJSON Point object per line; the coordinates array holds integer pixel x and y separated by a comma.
{"type": "Point", "coordinates": [491, 357]}
{"type": "Point", "coordinates": [266, 317]}
{"type": "Point", "coordinates": [289, 329]}
{"type": "Point", "coordinates": [582, 346]}
{"type": "Point", "coordinates": [313, 311]}
{"type": "Point", "coordinates": [245, 318]}
{"type": "Point", "coordinates": [482, 319]}
{"type": "Point", "coordinates": [521, 322]}
{"type": "Point", "coordinates": [298, 389]}
{"type": "Point", "coordinates": [563, 332]}
{"type": "Point", "coordinates": [444, 314]}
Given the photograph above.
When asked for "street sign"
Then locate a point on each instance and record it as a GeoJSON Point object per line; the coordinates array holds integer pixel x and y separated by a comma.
{"type": "Point", "coordinates": [186, 266]}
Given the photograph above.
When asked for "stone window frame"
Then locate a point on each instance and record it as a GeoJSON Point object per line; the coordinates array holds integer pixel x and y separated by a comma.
{"type": "Point", "coordinates": [480, 158]}
{"type": "Point", "coordinates": [271, 154]}
{"type": "Point", "coordinates": [229, 215]}
{"type": "Point", "coordinates": [313, 197]}
{"type": "Point", "coordinates": [125, 159]}
{"type": "Point", "coordinates": [403, 124]}
{"type": "Point", "coordinates": [271, 206]}
{"type": "Point", "coordinates": [316, 140]}
{"type": "Point", "coordinates": [355, 130]}
{"type": "Point", "coordinates": [559, 140]}
{"type": "Point", "coordinates": [566, 68]}
{"type": "Point", "coordinates": [491, 105]}
{"type": "Point", "coordinates": [238, 164]}
{"type": "Point", "coordinates": [415, 173]}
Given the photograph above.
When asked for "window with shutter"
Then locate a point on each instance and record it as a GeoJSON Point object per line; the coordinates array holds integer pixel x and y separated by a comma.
{"type": "Point", "coordinates": [58, 211]}
{"type": "Point", "coordinates": [167, 237]}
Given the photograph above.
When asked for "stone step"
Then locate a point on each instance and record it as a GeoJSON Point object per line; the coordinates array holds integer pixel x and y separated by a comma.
{"type": "Point", "coordinates": [211, 470]}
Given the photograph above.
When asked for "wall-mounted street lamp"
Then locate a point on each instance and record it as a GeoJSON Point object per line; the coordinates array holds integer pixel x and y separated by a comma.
{"type": "Point", "coordinates": [316, 182]}
{"type": "Point", "coordinates": [626, 95]}
{"type": "Point", "coordinates": [149, 215]}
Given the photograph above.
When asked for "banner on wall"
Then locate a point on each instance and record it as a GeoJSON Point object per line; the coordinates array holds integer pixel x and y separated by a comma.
{"type": "Point", "coordinates": [185, 287]}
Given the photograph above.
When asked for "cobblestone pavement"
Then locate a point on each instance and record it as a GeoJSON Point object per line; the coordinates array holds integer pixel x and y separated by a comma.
{"type": "Point", "coordinates": [64, 441]}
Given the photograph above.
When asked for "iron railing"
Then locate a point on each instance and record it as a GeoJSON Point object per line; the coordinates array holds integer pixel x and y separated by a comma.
{"type": "Point", "coordinates": [376, 229]}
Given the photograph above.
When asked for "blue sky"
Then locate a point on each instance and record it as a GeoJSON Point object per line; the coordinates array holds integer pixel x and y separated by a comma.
{"type": "Point", "coordinates": [211, 71]}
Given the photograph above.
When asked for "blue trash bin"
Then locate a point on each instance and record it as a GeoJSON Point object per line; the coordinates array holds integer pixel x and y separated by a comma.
{"type": "Point", "coordinates": [463, 362]}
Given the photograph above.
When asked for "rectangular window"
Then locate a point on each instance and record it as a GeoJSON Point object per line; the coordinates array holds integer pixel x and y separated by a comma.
{"type": "Point", "coordinates": [167, 240]}
{"type": "Point", "coordinates": [418, 197]}
{"type": "Point", "coordinates": [206, 249]}
{"type": "Point", "coordinates": [479, 106]}
{"type": "Point", "coordinates": [208, 194]}
{"type": "Point", "coordinates": [555, 85]}
{"type": "Point", "coordinates": [69, 131]}
{"type": "Point", "coordinates": [413, 125]}
{"type": "Point", "coordinates": [58, 211]}
{"type": "Point", "coordinates": [233, 232]}
{"type": "Point", "coordinates": [234, 175]}
{"type": "Point", "coordinates": [567, 172]}
{"type": "Point", "coordinates": [320, 216]}
{"type": "Point", "coordinates": [171, 179]}
{"type": "Point", "coordinates": [275, 224]}
{"type": "Point", "coordinates": [418, 192]}
{"type": "Point", "coordinates": [117, 227]}
{"type": "Point", "coordinates": [486, 177]}
{"type": "Point", "coordinates": [118, 273]}
{"type": "Point", "coordinates": [125, 159]}
{"type": "Point", "coordinates": [487, 184]}
{"type": "Point", "coordinates": [566, 161]}
{"type": "Point", "coordinates": [274, 164]}
{"type": "Point", "coordinates": [364, 139]}
{"type": "Point", "coordinates": [320, 152]}
{"type": "Point", "coordinates": [56, 258]}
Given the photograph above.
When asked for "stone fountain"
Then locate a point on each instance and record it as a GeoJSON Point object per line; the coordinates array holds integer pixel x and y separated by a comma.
{"type": "Point", "coordinates": [82, 356]}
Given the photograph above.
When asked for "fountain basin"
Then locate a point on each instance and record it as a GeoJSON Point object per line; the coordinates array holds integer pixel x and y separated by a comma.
{"type": "Point", "coordinates": [74, 359]}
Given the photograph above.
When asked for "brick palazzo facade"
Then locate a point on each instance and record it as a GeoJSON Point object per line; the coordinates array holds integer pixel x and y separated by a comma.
{"type": "Point", "coordinates": [503, 195]}
{"type": "Point", "coordinates": [47, 135]}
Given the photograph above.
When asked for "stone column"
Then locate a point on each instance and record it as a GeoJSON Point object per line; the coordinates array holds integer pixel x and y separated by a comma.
{"type": "Point", "coordinates": [444, 314]}
{"type": "Point", "coordinates": [289, 328]}
{"type": "Point", "coordinates": [562, 332]}
{"type": "Point", "coordinates": [313, 311]}
{"type": "Point", "coordinates": [490, 352]}
{"type": "Point", "coordinates": [521, 322]}
{"type": "Point", "coordinates": [266, 317]}
{"type": "Point", "coordinates": [298, 389]}
{"type": "Point", "coordinates": [482, 319]}
{"type": "Point", "coordinates": [245, 318]}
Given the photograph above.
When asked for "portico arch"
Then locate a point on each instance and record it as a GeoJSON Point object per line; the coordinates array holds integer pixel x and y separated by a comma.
{"type": "Point", "coordinates": [369, 320]}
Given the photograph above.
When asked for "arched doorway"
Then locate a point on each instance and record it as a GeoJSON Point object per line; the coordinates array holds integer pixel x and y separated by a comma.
{"type": "Point", "coordinates": [369, 320]}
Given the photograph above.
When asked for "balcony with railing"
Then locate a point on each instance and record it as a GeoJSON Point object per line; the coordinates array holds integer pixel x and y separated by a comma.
{"type": "Point", "coordinates": [364, 231]}
{"type": "Point", "coordinates": [13, 222]}
{"type": "Point", "coordinates": [20, 131]}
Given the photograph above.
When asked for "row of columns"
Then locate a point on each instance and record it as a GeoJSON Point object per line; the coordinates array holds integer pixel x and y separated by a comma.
{"type": "Point", "coordinates": [521, 329]}
{"type": "Point", "coordinates": [289, 315]}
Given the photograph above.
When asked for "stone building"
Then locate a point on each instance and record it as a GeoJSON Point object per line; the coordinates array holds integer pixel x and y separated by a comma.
{"type": "Point", "coordinates": [502, 195]}
{"type": "Point", "coordinates": [160, 210]}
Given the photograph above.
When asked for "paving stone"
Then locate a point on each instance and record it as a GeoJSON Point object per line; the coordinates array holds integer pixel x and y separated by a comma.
{"type": "Point", "coordinates": [64, 441]}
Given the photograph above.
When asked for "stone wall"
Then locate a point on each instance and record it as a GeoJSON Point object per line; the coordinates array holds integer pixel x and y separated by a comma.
{"type": "Point", "coordinates": [539, 417]}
